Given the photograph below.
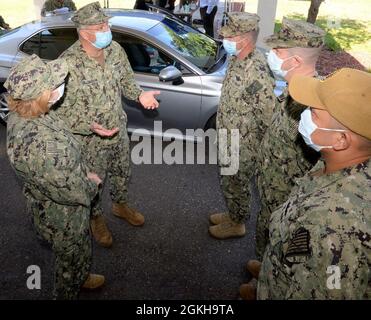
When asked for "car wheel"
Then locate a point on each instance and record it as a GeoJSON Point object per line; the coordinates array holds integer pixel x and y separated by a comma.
{"type": "Point", "coordinates": [4, 109]}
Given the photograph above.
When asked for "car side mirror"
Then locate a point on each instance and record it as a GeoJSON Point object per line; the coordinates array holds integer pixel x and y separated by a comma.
{"type": "Point", "coordinates": [171, 73]}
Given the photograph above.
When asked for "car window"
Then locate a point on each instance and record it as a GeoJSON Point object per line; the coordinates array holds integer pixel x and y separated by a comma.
{"type": "Point", "coordinates": [196, 47]}
{"type": "Point", "coordinates": [144, 57]}
{"type": "Point", "coordinates": [49, 44]}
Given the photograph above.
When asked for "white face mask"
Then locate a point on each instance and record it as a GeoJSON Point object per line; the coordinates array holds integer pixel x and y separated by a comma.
{"type": "Point", "coordinates": [60, 91]}
{"type": "Point", "coordinates": [307, 127]}
{"type": "Point", "coordinates": [275, 64]}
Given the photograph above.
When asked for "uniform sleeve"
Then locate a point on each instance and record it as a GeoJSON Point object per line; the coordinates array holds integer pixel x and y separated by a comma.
{"type": "Point", "coordinates": [257, 96]}
{"type": "Point", "coordinates": [59, 174]}
{"type": "Point", "coordinates": [91, 187]}
{"type": "Point", "coordinates": [80, 126]}
{"type": "Point", "coordinates": [81, 121]}
{"type": "Point", "coordinates": [130, 88]}
{"type": "Point", "coordinates": [335, 267]}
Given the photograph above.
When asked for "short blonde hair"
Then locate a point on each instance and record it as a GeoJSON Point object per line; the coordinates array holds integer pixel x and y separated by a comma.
{"type": "Point", "coordinates": [30, 108]}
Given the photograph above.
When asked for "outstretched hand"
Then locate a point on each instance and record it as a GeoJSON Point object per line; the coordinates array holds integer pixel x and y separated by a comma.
{"type": "Point", "coordinates": [148, 100]}
{"type": "Point", "coordinates": [103, 132]}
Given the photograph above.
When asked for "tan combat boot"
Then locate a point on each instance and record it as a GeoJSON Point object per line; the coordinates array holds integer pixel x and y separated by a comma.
{"type": "Point", "coordinates": [248, 290]}
{"type": "Point", "coordinates": [218, 218]}
{"type": "Point", "coordinates": [130, 215]}
{"type": "Point", "coordinates": [253, 266]}
{"type": "Point", "coordinates": [94, 281]}
{"type": "Point", "coordinates": [227, 230]}
{"type": "Point", "coordinates": [100, 231]}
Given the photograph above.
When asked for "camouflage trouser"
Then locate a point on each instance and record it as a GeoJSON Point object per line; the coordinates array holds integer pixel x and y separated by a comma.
{"type": "Point", "coordinates": [112, 161]}
{"type": "Point", "coordinates": [273, 191]}
{"type": "Point", "coordinates": [67, 229]}
{"type": "Point", "coordinates": [236, 188]}
{"type": "Point", "coordinates": [262, 230]}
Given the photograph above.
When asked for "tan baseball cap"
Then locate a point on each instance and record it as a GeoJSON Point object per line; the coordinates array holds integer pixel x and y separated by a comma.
{"type": "Point", "coordinates": [346, 95]}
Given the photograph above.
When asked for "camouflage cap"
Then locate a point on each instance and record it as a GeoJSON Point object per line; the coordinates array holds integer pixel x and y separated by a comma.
{"type": "Point", "coordinates": [90, 14]}
{"type": "Point", "coordinates": [31, 77]}
{"type": "Point", "coordinates": [239, 23]}
{"type": "Point", "coordinates": [297, 33]}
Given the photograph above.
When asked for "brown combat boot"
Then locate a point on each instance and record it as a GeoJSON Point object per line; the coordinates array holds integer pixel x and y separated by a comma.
{"type": "Point", "coordinates": [253, 266]}
{"type": "Point", "coordinates": [248, 290]}
{"type": "Point", "coordinates": [100, 231]}
{"type": "Point", "coordinates": [132, 216]}
{"type": "Point", "coordinates": [227, 230]}
{"type": "Point", "coordinates": [218, 218]}
{"type": "Point", "coordinates": [94, 281]}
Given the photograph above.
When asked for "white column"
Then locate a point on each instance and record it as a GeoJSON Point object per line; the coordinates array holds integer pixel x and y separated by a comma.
{"type": "Point", "coordinates": [267, 12]}
{"type": "Point", "coordinates": [38, 4]}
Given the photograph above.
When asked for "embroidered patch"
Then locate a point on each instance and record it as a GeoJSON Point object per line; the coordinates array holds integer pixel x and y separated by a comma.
{"type": "Point", "coordinates": [299, 244]}
{"type": "Point", "coordinates": [52, 147]}
{"type": "Point", "coordinates": [254, 87]}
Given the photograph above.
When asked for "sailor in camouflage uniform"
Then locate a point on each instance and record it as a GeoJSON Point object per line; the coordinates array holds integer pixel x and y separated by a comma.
{"type": "Point", "coordinates": [51, 5]}
{"type": "Point", "coordinates": [246, 104]}
{"type": "Point", "coordinates": [320, 238]}
{"type": "Point", "coordinates": [283, 155]}
{"type": "Point", "coordinates": [57, 183]}
{"type": "Point", "coordinates": [100, 74]}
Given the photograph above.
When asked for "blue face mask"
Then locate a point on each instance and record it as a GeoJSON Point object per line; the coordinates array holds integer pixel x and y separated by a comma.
{"type": "Point", "coordinates": [231, 47]}
{"type": "Point", "coordinates": [102, 39]}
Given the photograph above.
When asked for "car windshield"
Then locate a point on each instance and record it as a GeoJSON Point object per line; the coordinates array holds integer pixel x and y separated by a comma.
{"type": "Point", "coordinates": [188, 42]}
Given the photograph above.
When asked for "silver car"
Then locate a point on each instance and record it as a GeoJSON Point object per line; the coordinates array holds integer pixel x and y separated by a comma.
{"type": "Point", "coordinates": [165, 53]}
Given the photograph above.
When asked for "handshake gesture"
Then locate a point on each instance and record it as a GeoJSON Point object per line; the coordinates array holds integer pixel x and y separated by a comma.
{"type": "Point", "coordinates": [147, 100]}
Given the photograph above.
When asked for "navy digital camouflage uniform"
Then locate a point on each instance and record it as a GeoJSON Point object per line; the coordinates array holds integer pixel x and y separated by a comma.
{"type": "Point", "coordinates": [45, 154]}
{"type": "Point", "coordinates": [246, 104]}
{"type": "Point", "coordinates": [283, 155]}
{"type": "Point", "coordinates": [93, 94]}
{"type": "Point", "coordinates": [282, 158]}
{"type": "Point", "coordinates": [324, 225]}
